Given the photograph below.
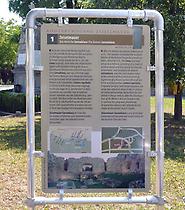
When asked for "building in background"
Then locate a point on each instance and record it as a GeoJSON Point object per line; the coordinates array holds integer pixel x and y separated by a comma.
{"type": "Point", "coordinates": [20, 70]}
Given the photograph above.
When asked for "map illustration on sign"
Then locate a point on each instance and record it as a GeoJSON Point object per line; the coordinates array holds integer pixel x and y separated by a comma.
{"type": "Point", "coordinates": [70, 140]}
{"type": "Point", "coordinates": [122, 140]}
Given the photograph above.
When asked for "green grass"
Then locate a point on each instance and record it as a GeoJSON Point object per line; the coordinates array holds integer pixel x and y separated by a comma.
{"type": "Point", "coordinates": [13, 167]}
{"type": "Point", "coordinates": [168, 104]}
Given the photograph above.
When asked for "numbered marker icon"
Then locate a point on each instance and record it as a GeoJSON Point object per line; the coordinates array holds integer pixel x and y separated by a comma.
{"type": "Point", "coordinates": [52, 38]}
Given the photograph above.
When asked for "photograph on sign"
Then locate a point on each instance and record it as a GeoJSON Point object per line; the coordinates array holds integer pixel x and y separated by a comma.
{"type": "Point", "coordinates": [121, 171]}
{"type": "Point", "coordinates": [95, 126]}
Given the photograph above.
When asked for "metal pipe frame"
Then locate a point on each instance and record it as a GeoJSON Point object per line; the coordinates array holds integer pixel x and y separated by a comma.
{"type": "Point", "coordinates": [153, 15]}
{"type": "Point", "coordinates": [38, 201]}
{"type": "Point", "coordinates": [159, 93]}
{"type": "Point", "coordinates": [30, 109]}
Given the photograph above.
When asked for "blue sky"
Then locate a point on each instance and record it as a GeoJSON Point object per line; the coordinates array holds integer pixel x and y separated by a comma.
{"type": "Point", "coordinates": [5, 14]}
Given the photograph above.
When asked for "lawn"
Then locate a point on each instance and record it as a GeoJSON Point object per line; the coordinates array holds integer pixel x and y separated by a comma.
{"type": "Point", "coordinates": [13, 174]}
{"type": "Point", "coordinates": [168, 104]}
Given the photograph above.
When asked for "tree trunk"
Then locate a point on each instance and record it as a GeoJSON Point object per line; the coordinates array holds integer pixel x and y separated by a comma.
{"type": "Point", "coordinates": [178, 103]}
{"type": "Point", "coordinates": [70, 4]}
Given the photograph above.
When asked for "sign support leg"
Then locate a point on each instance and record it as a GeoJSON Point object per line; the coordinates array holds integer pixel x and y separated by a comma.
{"type": "Point", "coordinates": [159, 93]}
{"type": "Point", "coordinates": [30, 109]}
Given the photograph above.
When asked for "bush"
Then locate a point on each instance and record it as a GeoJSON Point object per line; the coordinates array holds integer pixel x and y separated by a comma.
{"type": "Point", "coordinates": [37, 103]}
{"type": "Point", "coordinates": [12, 102]}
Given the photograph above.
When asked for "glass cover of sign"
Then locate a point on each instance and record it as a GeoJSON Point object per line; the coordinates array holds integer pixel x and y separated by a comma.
{"type": "Point", "coordinates": [95, 123]}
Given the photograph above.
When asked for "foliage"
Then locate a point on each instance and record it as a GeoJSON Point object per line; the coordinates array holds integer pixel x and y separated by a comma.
{"type": "Point", "coordinates": [9, 39]}
{"type": "Point", "coordinates": [175, 49]}
{"type": "Point", "coordinates": [6, 76]}
{"type": "Point", "coordinates": [174, 36]}
{"type": "Point", "coordinates": [12, 102]}
{"type": "Point", "coordinates": [22, 7]}
{"type": "Point", "coordinates": [173, 12]}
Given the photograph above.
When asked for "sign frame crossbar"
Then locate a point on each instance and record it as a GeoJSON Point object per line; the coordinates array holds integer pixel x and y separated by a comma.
{"type": "Point", "coordinates": [158, 20]}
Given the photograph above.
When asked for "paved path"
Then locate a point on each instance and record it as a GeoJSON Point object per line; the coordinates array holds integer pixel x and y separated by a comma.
{"type": "Point", "coordinates": [6, 87]}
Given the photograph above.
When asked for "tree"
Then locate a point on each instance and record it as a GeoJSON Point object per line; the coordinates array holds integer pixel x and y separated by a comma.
{"type": "Point", "coordinates": [22, 7]}
{"type": "Point", "coordinates": [175, 59]}
{"type": "Point", "coordinates": [9, 39]}
{"type": "Point", "coordinates": [174, 36]}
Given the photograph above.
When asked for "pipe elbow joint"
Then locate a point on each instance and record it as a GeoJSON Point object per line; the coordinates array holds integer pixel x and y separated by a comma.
{"type": "Point", "coordinates": [32, 15]}
{"type": "Point", "coordinates": [156, 17]}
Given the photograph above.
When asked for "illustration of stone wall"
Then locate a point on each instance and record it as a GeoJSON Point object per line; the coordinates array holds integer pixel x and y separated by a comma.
{"type": "Point", "coordinates": [59, 168]}
{"type": "Point", "coordinates": [126, 164]}
{"type": "Point", "coordinates": [76, 165]}
{"type": "Point", "coordinates": [55, 167]}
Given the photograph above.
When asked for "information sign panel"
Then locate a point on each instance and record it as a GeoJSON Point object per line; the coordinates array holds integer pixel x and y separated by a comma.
{"type": "Point", "coordinates": [95, 107]}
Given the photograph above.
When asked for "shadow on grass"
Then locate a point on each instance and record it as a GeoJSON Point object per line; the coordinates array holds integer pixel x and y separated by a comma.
{"type": "Point", "coordinates": [174, 136]}
{"type": "Point", "coordinates": [13, 133]}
